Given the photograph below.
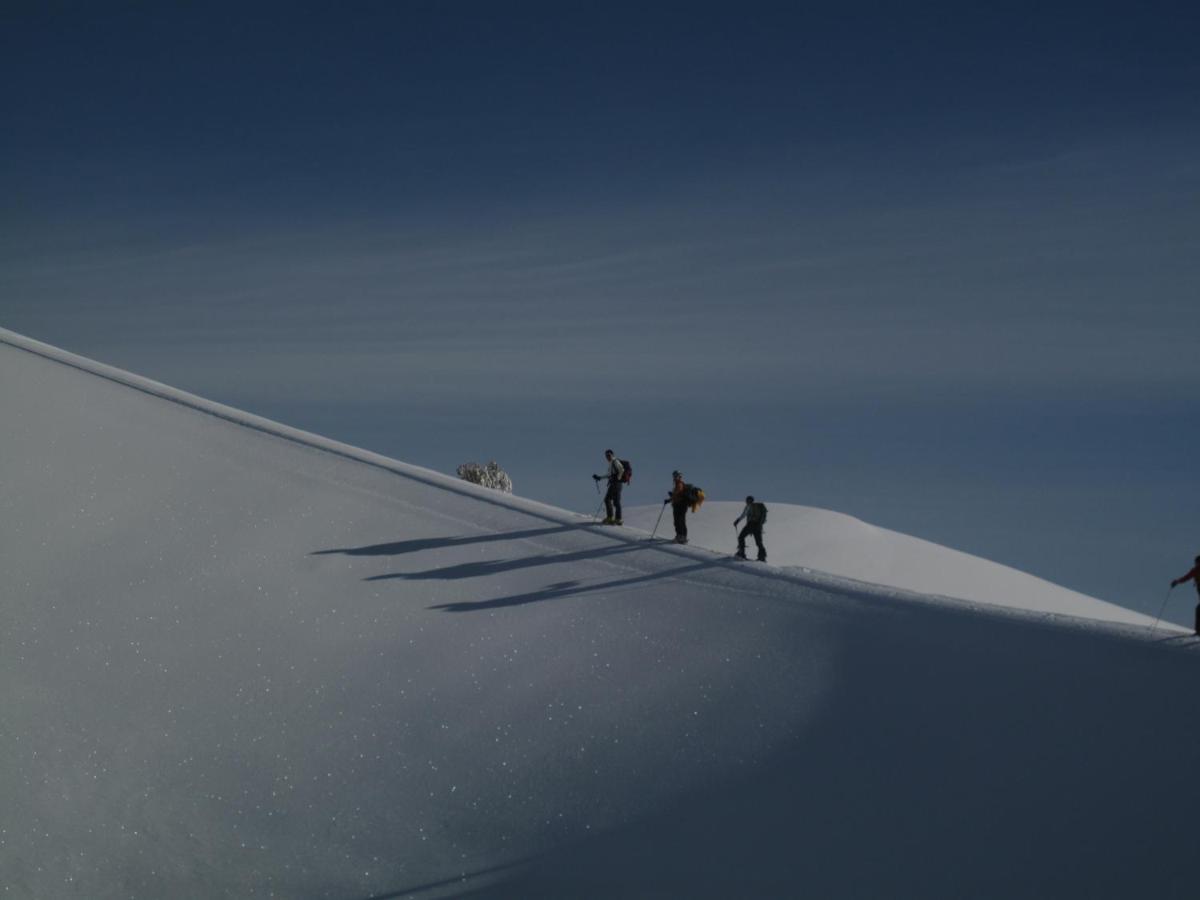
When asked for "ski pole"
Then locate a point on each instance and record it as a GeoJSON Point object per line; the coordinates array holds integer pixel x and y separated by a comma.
{"type": "Point", "coordinates": [596, 514]}
{"type": "Point", "coordinates": [660, 515]}
{"type": "Point", "coordinates": [1162, 609]}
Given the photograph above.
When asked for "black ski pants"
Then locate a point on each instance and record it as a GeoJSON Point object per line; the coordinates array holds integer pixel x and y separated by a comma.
{"type": "Point", "coordinates": [754, 531]}
{"type": "Point", "coordinates": [679, 511]}
{"type": "Point", "coordinates": [612, 499]}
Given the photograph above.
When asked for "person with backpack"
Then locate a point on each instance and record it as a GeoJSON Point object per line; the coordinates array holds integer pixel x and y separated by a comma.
{"type": "Point", "coordinates": [618, 476]}
{"type": "Point", "coordinates": [755, 515]}
{"type": "Point", "coordinates": [681, 497]}
{"type": "Point", "coordinates": [1193, 576]}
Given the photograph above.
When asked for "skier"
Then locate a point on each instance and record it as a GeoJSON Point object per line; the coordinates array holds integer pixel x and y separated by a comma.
{"type": "Point", "coordinates": [612, 498]}
{"type": "Point", "coordinates": [678, 498]}
{"type": "Point", "coordinates": [755, 515]}
{"type": "Point", "coordinates": [1193, 576]}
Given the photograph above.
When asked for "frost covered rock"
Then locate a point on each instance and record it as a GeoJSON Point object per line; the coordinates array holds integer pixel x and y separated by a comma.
{"type": "Point", "coordinates": [491, 476]}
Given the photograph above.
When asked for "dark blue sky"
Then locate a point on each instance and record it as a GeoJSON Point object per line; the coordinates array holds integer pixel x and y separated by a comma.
{"type": "Point", "coordinates": [431, 107]}
{"type": "Point", "coordinates": [935, 266]}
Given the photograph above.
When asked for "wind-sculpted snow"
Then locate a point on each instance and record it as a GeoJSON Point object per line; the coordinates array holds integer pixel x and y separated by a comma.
{"type": "Point", "coordinates": [240, 661]}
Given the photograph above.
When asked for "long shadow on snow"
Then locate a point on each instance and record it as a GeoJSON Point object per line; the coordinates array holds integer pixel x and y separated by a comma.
{"type": "Point", "coordinates": [397, 548]}
{"type": "Point", "coordinates": [572, 588]}
{"type": "Point", "coordinates": [495, 567]}
{"type": "Point", "coordinates": [955, 756]}
{"type": "Point", "coordinates": [438, 888]}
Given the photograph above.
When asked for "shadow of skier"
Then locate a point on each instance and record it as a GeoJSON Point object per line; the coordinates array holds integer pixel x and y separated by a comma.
{"type": "Point", "coordinates": [570, 589]}
{"type": "Point", "coordinates": [495, 567]}
{"type": "Point", "coordinates": [396, 548]}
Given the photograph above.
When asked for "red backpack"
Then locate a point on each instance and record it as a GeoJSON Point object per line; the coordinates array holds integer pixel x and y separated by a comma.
{"type": "Point", "coordinates": [627, 475]}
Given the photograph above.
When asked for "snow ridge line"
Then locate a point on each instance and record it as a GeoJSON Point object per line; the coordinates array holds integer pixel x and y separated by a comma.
{"type": "Point", "coordinates": [275, 429]}
{"type": "Point", "coordinates": [864, 591]}
{"type": "Point", "coordinates": [889, 595]}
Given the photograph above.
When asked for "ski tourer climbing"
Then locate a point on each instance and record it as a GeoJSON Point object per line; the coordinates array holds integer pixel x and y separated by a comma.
{"type": "Point", "coordinates": [682, 496]}
{"type": "Point", "coordinates": [616, 480]}
{"type": "Point", "coordinates": [678, 500]}
{"type": "Point", "coordinates": [755, 514]}
{"type": "Point", "coordinates": [1194, 577]}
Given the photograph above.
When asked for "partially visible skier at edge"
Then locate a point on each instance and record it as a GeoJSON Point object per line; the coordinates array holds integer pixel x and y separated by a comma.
{"type": "Point", "coordinates": [612, 498]}
{"type": "Point", "coordinates": [1193, 576]}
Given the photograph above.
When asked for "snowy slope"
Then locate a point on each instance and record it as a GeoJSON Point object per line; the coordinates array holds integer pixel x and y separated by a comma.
{"type": "Point", "coordinates": [239, 661]}
{"type": "Point", "coordinates": [825, 541]}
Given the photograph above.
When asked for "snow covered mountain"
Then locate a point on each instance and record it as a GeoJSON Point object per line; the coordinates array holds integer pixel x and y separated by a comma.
{"type": "Point", "coordinates": [237, 660]}
{"type": "Point", "coordinates": [830, 542]}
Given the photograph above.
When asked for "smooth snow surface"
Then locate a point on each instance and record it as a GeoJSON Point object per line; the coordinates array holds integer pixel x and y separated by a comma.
{"type": "Point", "coordinates": [238, 661]}
{"type": "Point", "coordinates": [825, 541]}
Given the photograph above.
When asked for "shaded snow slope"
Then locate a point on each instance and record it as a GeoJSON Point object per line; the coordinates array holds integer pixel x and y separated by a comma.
{"type": "Point", "coordinates": [236, 661]}
{"type": "Point", "coordinates": [832, 542]}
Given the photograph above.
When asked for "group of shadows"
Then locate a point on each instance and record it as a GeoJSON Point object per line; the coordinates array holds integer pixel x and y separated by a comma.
{"type": "Point", "coordinates": [495, 567]}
